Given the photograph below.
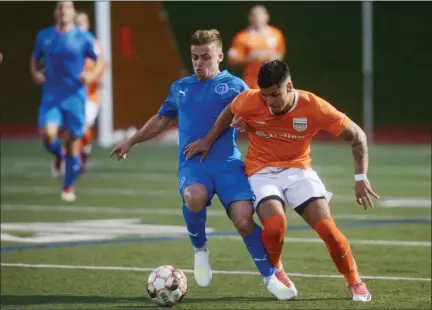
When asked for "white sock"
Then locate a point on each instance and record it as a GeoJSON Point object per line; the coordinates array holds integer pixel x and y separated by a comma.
{"type": "Point", "coordinates": [203, 248]}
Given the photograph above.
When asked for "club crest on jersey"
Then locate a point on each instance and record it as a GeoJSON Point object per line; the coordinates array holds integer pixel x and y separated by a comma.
{"type": "Point", "coordinates": [221, 88]}
{"type": "Point", "coordinates": [300, 124]}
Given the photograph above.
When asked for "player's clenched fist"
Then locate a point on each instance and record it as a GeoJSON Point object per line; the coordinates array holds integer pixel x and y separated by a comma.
{"type": "Point", "coordinates": [121, 149]}
{"type": "Point", "coordinates": [239, 123]}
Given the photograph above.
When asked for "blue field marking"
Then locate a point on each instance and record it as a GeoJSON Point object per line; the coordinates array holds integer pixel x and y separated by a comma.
{"type": "Point", "coordinates": [364, 223]}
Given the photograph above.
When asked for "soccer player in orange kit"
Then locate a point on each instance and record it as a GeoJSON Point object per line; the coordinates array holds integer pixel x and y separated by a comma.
{"type": "Point", "coordinates": [281, 122]}
{"type": "Point", "coordinates": [93, 94]}
{"type": "Point", "coordinates": [256, 44]}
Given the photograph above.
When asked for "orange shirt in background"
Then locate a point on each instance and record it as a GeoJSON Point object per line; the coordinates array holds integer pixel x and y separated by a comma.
{"type": "Point", "coordinates": [248, 43]}
{"type": "Point", "coordinates": [284, 140]}
{"type": "Point", "coordinates": [93, 92]}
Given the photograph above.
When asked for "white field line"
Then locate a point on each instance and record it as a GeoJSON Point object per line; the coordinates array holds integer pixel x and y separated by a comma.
{"type": "Point", "coordinates": [108, 191]}
{"type": "Point", "coordinates": [165, 211]}
{"type": "Point", "coordinates": [124, 211]}
{"type": "Point", "coordinates": [171, 177]}
{"type": "Point", "coordinates": [351, 241]}
{"type": "Point", "coordinates": [406, 202]}
{"type": "Point", "coordinates": [24, 163]}
{"type": "Point", "coordinates": [223, 272]}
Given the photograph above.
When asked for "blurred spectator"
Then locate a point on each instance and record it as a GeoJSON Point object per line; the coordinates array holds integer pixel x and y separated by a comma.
{"type": "Point", "coordinates": [256, 44]}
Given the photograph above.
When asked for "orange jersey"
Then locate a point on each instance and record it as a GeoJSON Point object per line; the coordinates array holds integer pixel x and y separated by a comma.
{"type": "Point", "coordinates": [93, 93]}
{"type": "Point", "coordinates": [249, 43]}
{"type": "Point", "coordinates": [284, 140]}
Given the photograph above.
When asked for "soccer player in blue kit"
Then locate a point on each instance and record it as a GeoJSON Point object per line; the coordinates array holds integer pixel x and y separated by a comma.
{"type": "Point", "coordinates": [63, 48]}
{"type": "Point", "coordinates": [196, 101]}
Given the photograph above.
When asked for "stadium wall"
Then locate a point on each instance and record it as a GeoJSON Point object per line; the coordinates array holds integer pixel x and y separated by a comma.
{"type": "Point", "coordinates": [323, 50]}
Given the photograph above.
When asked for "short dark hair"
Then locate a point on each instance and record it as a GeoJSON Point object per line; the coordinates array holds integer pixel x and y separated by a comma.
{"type": "Point", "coordinates": [273, 72]}
{"type": "Point", "coordinates": [201, 37]}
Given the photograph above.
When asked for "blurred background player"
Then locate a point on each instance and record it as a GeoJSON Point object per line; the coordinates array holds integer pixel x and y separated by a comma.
{"type": "Point", "coordinates": [256, 44]}
{"type": "Point", "coordinates": [92, 105]}
{"type": "Point", "coordinates": [278, 163]}
{"type": "Point", "coordinates": [196, 101]}
{"type": "Point", "coordinates": [63, 48]}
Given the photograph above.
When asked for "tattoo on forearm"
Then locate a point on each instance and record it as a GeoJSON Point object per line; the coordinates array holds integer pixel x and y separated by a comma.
{"type": "Point", "coordinates": [355, 135]}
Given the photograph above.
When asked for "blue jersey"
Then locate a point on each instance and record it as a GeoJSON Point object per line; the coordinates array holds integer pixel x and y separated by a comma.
{"type": "Point", "coordinates": [197, 105]}
{"type": "Point", "coordinates": [64, 55]}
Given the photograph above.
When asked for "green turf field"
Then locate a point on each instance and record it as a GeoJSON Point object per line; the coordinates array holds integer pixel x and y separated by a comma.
{"type": "Point", "coordinates": [96, 253]}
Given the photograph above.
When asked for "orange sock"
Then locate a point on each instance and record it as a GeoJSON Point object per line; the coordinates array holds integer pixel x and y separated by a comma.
{"type": "Point", "coordinates": [339, 249]}
{"type": "Point", "coordinates": [272, 238]}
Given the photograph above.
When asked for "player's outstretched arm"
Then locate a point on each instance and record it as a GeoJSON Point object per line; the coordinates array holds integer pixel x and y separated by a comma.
{"type": "Point", "coordinates": [202, 146]}
{"type": "Point", "coordinates": [153, 127]}
{"type": "Point", "coordinates": [357, 137]}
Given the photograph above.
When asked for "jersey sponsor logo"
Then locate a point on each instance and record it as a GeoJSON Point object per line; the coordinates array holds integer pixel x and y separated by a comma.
{"type": "Point", "coordinates": [300, 124]}
{"type": "Point", "coordinates": [221, 88]}
{"type": "Point", "coordinates": [183, 92]}
{"type": "Point", "coordinates": [286, 135]}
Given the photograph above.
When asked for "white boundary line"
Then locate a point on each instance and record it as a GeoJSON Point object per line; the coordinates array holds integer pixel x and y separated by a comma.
{"type": "Point", "coordinates": [165, 176]}
{"type": "Point", "coordinates": [153, 162]}
{"type": "Point", "coordinates": [168, 211]}
{"type": "Point", "coordinates": [44, 190]}
{"type": "Point", "coordinates": [224, 272]}
{"type": "Point", "coordinates": [351, 241]}
{"type": "Point", "coordinates": [174, 212]}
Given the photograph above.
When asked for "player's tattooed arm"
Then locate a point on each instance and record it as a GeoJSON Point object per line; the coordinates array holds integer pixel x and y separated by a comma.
{"type": "Point", "coordinates": [357, 137]}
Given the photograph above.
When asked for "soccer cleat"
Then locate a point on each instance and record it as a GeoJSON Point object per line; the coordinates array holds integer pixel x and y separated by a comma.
{"type": "Point", "coordinates": [68, 194]}
{"type": "Point", "coordinates": [360, 292]}
{"type": "Point", "coordinates": [57, 168]}
{"type": "Point", "coordinates": [202, 269]}
{"type": "Point", "coordinates": [280, 290]}
{"type": "Point", "coordinates": [283, 277]}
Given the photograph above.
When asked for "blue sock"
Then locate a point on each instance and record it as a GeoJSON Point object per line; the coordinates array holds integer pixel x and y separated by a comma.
{"type": "Point", "coordinates": [72, 170]}
{"type": "Point", "coordinates": [256, 250]}
{"type": "Point", "coordinates": [55, 148]}
{"type": "Point", "coordinates": [195, 223]}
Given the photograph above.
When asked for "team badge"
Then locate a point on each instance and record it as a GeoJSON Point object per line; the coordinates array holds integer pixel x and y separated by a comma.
{"type": "Point", "coordinates": [300, 124]}
{"type": "Point", "coordinates": [221, 88]}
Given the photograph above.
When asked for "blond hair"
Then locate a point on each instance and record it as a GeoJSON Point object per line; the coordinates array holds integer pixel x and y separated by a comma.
{"type": "Point", "coordinates": [201, 37]}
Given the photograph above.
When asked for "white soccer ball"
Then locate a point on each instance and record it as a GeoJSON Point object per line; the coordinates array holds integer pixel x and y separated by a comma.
{"type": "Point", "coordinates": [167, 286]}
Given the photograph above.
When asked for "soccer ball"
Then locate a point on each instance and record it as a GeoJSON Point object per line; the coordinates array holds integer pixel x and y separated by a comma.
{"type": "Point", "coordinates": [167, 286]}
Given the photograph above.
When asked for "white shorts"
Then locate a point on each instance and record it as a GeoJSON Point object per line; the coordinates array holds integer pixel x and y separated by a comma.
{"type": "Point", "coordinates": [293, 186]}
{"type": "Point", "coordinates": [91, 113]}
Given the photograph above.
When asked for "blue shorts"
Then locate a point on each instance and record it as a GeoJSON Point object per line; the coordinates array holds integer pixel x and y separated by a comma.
{"type": "Point", "coordinates": [225, 179]}
{"type": "Point", "coordinates": [67, 111]}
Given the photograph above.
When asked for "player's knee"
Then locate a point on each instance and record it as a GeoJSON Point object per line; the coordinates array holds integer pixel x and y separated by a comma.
{"type": "Point", "coordinates": [244, 226]}
{"type": "Point", "coordinates": [48, 134]}
{"type": "Point", "coordinates": [195, 197]}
